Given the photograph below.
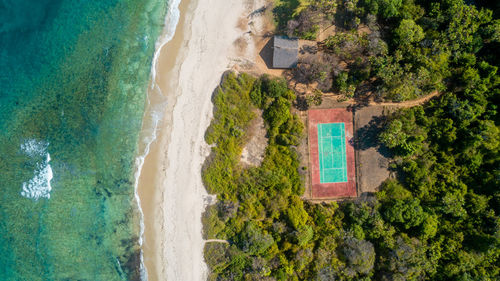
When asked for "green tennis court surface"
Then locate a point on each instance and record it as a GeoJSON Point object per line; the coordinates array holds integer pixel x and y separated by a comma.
{"type": "Point", "coordinates": [332, 153]}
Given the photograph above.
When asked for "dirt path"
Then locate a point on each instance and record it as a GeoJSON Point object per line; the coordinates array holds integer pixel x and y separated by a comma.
{"type": "Point", "coordinates": [217, 241]}
{"type": "Point", "coordinates": [409, 103]}
{"type": "Point", "coordinates": [404, 104]}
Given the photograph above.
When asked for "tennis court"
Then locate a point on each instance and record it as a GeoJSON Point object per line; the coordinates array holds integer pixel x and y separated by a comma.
{"type": "Point", "coordinates": [332, 153]}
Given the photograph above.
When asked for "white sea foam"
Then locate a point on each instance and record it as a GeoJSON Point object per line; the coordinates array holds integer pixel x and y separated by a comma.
{"type": "Point", "coordinates": [38, 186]}
{"type": "Point", "coordinates": [34, 147]}
{"type": "Point", "coordinates": [153, 116]}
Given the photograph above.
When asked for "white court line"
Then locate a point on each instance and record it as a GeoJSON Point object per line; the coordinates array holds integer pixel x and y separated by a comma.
{"type": "Point", "coordinates": [321, 171]}
{"type": "Point", "coordinates": [344, 154]}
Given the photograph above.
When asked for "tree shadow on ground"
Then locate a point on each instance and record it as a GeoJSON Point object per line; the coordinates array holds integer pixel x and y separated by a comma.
{"type": "Point", "coordinates": [363, 94]}
{"type": "Point", "coordinates": [367, 136]}
{"type": "Point", "coordinates": [301, 103]}
{"type": "Point", "coordinates": [367, 197]}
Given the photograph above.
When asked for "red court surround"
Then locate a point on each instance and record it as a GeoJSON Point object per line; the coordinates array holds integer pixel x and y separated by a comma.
{"type": "Point", "coordinates": [331, 190]}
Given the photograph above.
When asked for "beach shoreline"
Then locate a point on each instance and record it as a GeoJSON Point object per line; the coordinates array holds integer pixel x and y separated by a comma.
{"type": "Point", "coordinates": [188, 70]}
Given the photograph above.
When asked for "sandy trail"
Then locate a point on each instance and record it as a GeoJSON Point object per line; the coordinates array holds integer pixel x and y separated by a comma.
{"type": "Point", "coordinates": [406, 104]}
{"type": "Point", "coordinates": [403, 104]}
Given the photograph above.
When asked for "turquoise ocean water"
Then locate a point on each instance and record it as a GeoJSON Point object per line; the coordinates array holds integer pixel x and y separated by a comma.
{"type": "Point", "coordinates": [73, 82]}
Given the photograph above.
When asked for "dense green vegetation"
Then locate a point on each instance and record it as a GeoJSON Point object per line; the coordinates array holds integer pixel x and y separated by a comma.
{"type": "Point", "coordinates": [398, 49]}
{"type": "Point", "coordinates": [438, 219]}
{"type": "Point", "coordinates": [447, 155]}
{"type": "Point", "coordinates": [257, 205]}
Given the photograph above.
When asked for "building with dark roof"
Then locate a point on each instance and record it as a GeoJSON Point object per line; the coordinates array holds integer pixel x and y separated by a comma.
{"type": "Point", "coordinates": [285, 52]}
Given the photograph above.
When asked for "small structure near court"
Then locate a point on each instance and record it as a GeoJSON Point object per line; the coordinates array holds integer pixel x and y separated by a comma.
{"type": "Point", "coordinates": [331, 153]}
{"type": "Point", "coordinates": [285, 52]}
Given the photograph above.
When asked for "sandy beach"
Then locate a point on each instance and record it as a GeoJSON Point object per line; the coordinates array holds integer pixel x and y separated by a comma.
{"type": "Point", "coordinates": [207, 42]}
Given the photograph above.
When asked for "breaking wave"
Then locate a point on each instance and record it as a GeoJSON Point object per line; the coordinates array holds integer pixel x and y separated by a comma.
{"type": "Point", "coordinates": [38, 186]}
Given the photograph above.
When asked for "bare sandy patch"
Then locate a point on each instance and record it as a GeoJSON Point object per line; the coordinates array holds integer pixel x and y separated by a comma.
{"type": "Point", "coordinates": [254, 150]}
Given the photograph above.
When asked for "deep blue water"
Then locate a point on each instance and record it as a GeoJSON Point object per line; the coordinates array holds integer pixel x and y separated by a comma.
{"type": "Point", "coordinates": [73, 81]}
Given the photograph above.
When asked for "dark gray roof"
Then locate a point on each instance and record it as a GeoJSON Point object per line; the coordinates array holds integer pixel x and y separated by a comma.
{"type": "Point", "coordinates": [285, 52]}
